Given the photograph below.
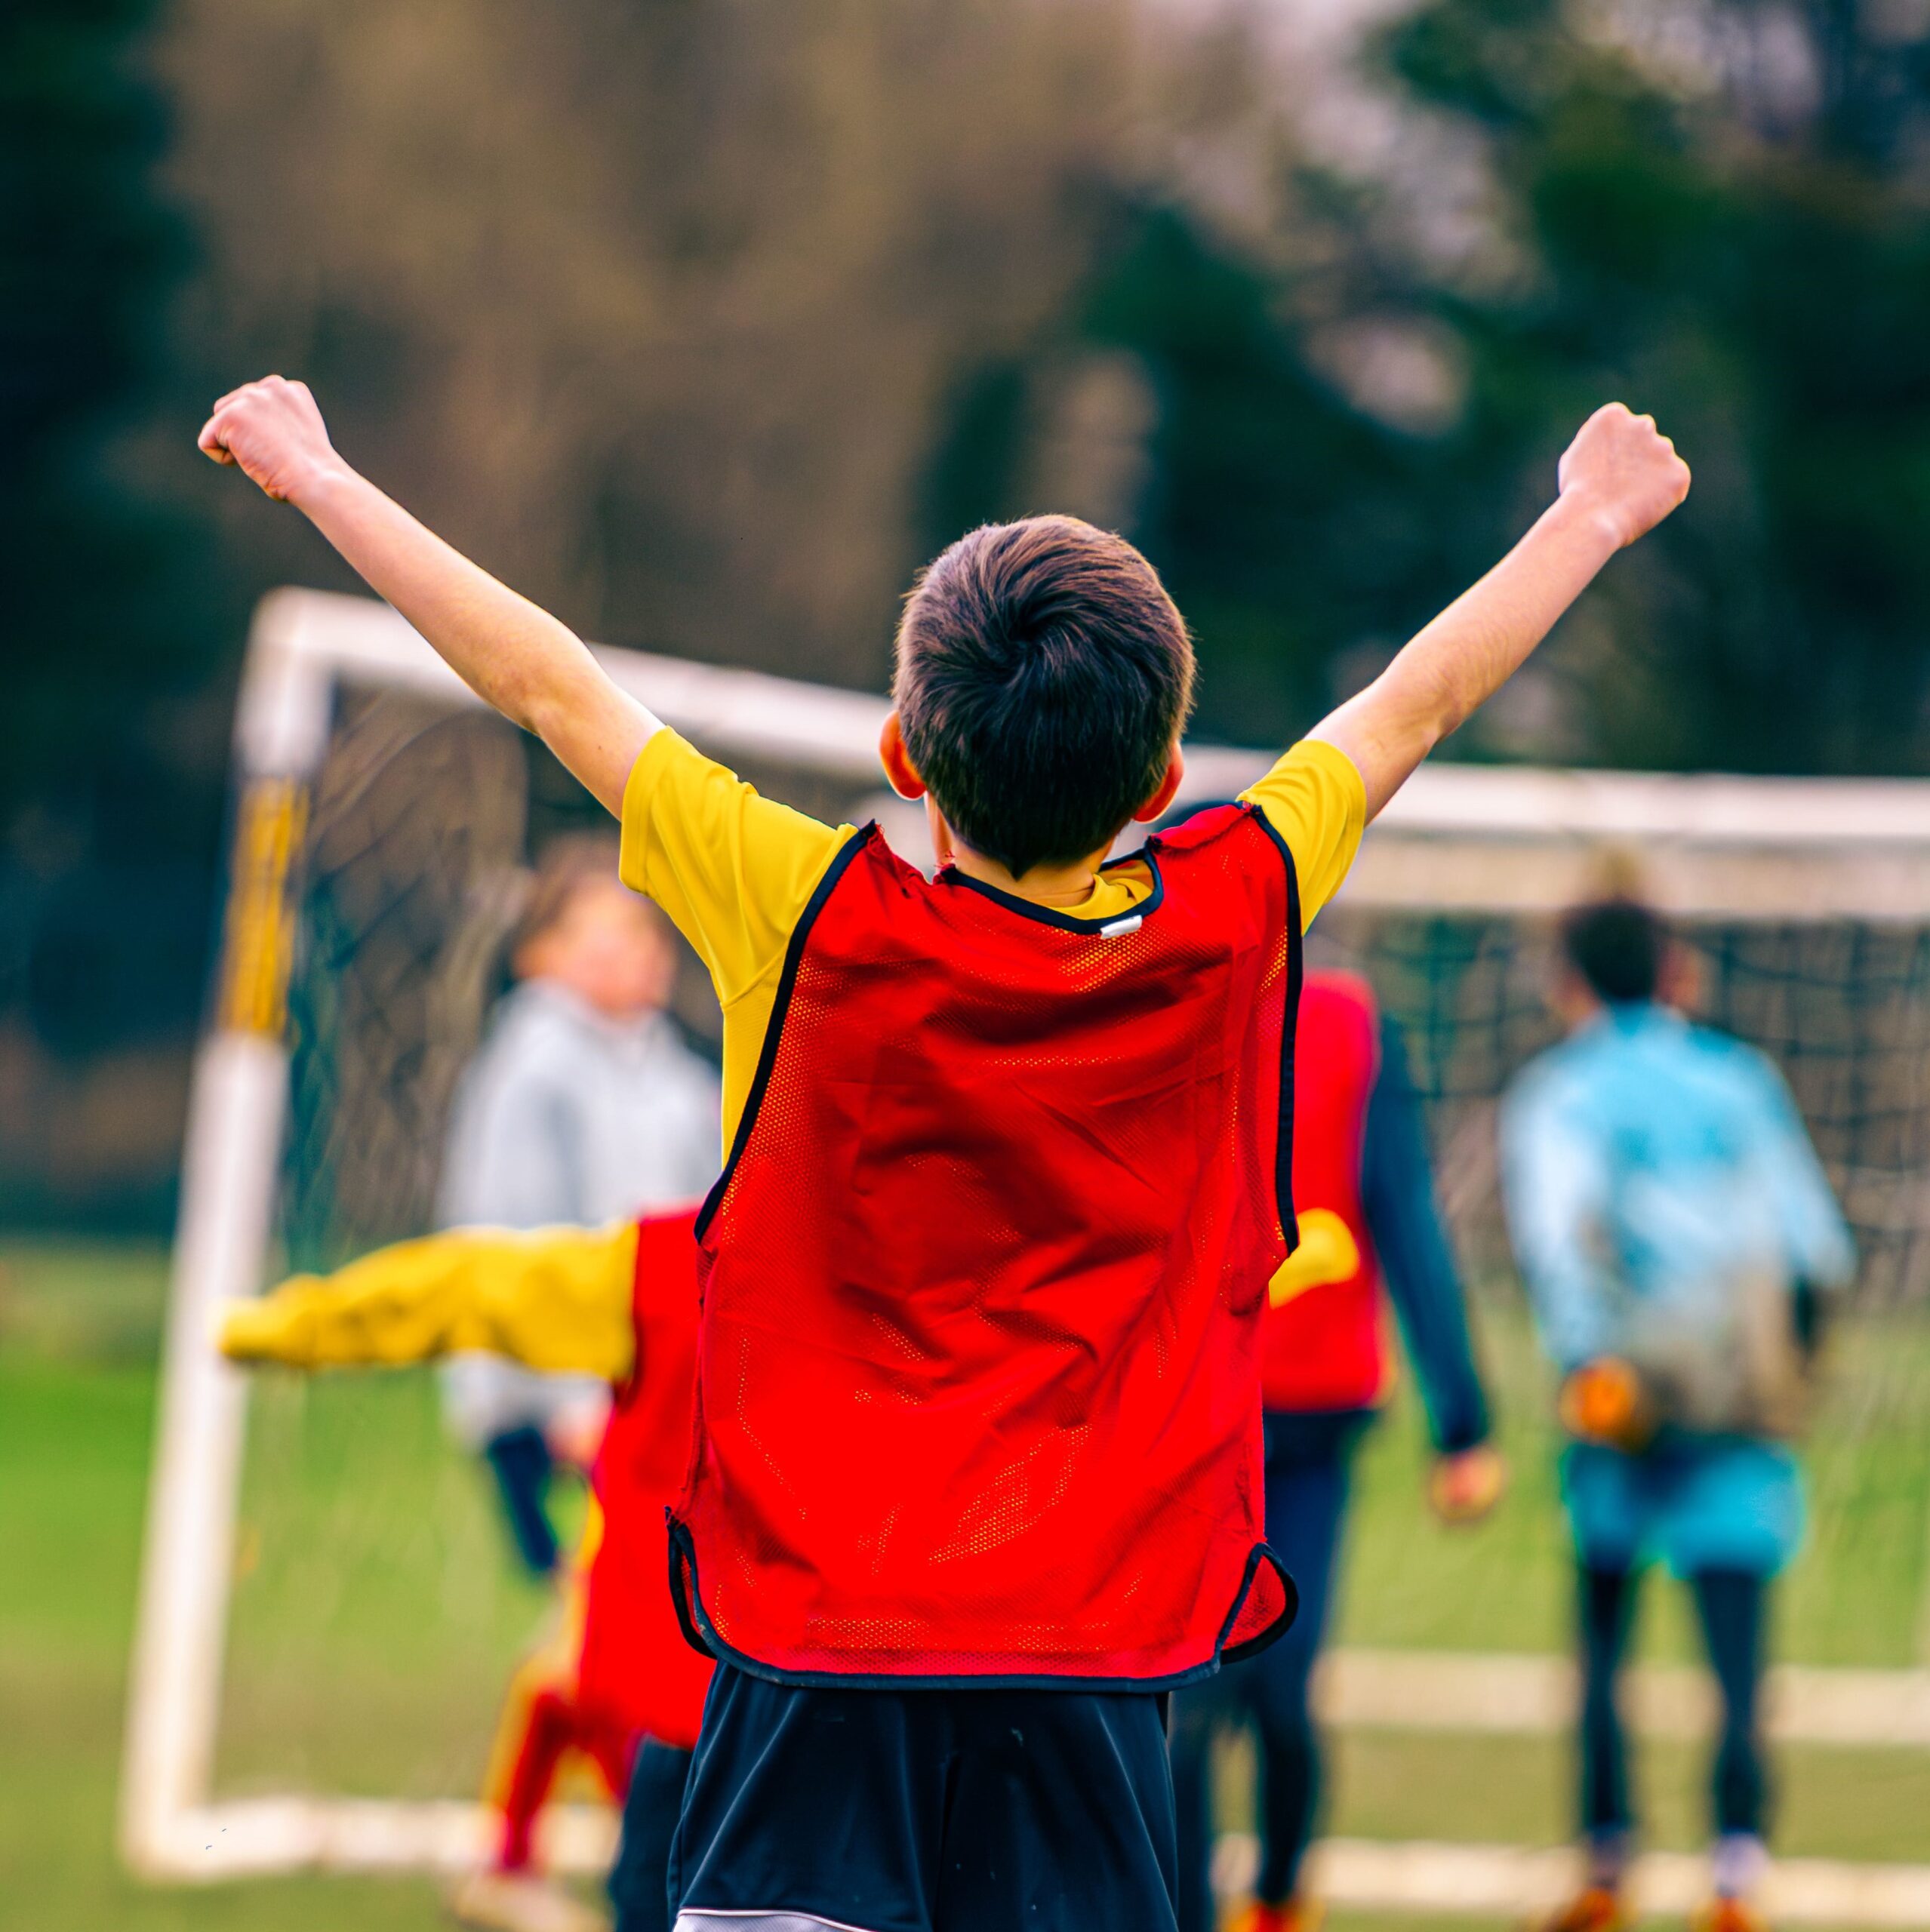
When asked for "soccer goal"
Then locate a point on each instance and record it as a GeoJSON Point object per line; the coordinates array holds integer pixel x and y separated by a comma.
{"type": "Point", "coordinates": [325, 1617]}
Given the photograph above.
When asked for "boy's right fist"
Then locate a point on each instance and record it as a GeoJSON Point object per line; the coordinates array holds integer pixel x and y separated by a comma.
{"type": "Point", "coordinates": [273, 432]}
{"type": "Point", "coordinates": [1625, 471]}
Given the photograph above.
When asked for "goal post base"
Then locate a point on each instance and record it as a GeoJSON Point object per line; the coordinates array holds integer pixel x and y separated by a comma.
{"type": "Point", "coordinates": [262, 1837]}
{"type": "Point", "coordinates": [259, 1837]}
{"type": "Point", "coordinates": [1513, 1882]}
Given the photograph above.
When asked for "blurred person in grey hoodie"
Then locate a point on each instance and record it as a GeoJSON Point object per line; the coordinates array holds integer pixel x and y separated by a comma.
{"type": "Point", "coordinates": [583, 1106]}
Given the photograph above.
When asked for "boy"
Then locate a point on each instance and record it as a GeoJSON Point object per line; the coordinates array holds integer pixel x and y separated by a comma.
{"type": "Point", "coordinates": [618, 1304]}
{"type": "Point", "coordinates": [1673, 1226]}
{"type": "Point", "coordinates": [1368, 1218]}
{"type": "Point", "coordinates": [582, 1105]}
{"type": "Point", "coordinates": [977, 1470]}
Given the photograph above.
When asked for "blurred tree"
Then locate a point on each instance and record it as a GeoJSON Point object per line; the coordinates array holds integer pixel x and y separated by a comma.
{"type": "Point", "coordinates": [1289, 524]}
{"type": "Point", "coordinates": [651, 307]}
{"type": "Point", "coordinates": [107, 630]}
{"type": "Point", "coordinates": [705, 323]}
{"type": "Point", "coordinates": [1721, 212]}
{"type": "Point", "coordinates": [1358, 380]}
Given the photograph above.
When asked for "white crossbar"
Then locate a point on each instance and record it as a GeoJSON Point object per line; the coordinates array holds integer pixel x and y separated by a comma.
{"type": "Point", "coordinates": [1457, 837]}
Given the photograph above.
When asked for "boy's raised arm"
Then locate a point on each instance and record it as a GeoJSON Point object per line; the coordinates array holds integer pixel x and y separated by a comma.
{"type": "Point", "coordinates": [534, 670]}
{"type": "Point", "coordinates": [1620, 478]}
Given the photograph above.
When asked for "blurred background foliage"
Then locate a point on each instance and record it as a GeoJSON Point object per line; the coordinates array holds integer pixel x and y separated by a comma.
{"type": "Point", "coordinates": [707, 321]}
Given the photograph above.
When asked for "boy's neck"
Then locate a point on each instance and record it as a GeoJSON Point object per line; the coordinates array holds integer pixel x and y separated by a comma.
{"type": "Point", "coordinates": [1043, 885]}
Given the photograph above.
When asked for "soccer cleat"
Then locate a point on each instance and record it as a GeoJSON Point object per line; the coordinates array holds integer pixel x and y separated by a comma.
{"type": "Point", "coordinates": [1725, 1913]}
{"type": "Point", "coordinates": [520, 1902]}
{"type": "Point", "coordinates": [1593, 1909]}
{"type": "Point", "coordinates": [1295, 1916]}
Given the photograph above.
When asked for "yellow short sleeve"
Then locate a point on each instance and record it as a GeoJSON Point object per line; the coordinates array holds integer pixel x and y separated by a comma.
{"type": "Point", "coordinates": [1315, 799]}
{"type": "Point", "coordinates": [734, 871]}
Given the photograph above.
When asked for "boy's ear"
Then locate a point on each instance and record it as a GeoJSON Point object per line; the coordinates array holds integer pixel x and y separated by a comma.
{"type": "Point", "coordinates": [1573, 999]}
{"type": "Point", "coordinates": [1679, 984]}
{"type": "Point", "coordinates": [1167, 790]}
{"type": "Point", "coordinates": [901, 774]}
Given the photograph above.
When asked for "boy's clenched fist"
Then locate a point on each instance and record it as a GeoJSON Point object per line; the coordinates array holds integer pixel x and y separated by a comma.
{"type": "Point", "coordinates": [1622, 468]}
{"type": "Point", "coordinates": [273, 432]}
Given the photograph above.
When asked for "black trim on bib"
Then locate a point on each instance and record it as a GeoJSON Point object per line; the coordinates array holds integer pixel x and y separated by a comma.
{"type": "Point", "coordinates": [683, 1585]}
{"type": "Point", "coordinates": [1283, 1146]}
{"type": "Point", "coordinates": [767, 1056]}
{"type": "Point", "coordinates": [1227, 1653]}
{"type": "Point", "coordinates": [1069, 922]}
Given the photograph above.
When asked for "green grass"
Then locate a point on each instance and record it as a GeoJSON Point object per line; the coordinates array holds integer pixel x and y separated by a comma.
{"type": "Point", "coordinates": [1856, 1595]}
{"type": "Point", "coordinates": [73, 1453]}
{"type": "Point", "coordinates": [374, 1616]}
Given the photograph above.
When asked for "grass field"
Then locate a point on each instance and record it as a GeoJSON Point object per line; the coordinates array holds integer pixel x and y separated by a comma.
{"type": "Point", "coordinates": [374, 1616]}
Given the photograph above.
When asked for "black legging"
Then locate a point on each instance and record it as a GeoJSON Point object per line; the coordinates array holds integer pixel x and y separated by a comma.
{"type": "Point", "coordinates": [520, 1459]}
{"type": "Point", "coordinates": [1307, 1493]}
{"type": "Point", "coordinates": [1730, 1605]}
{"type": "Point", "coordinates": [639, 1881]}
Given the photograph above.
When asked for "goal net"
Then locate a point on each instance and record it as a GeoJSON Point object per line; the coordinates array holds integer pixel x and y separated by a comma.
{"type": "Point", "coordinates": [327, 1613]}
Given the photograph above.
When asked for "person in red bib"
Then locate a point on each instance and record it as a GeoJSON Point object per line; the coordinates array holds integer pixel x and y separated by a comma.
{"type": "Point", "coordinates": [620, 1685]}
{"type": "Point", "coordinates": [977, 1472]}
{"type": "Point", "coordinates": [1371, 1234]}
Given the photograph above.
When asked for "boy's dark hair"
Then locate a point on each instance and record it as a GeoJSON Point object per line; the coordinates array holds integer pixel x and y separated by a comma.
{"type": "Point", "coordinates": [1042, 676]}
{"type": "Point", "coordinates": [1617, 945]}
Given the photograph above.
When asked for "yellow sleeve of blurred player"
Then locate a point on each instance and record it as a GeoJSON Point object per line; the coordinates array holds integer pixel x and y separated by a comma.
{"type": "Point", "coordinates": [734, 871]}
{"type": "Point", "coordinates": [1327, 1253]}
{"type": "Point", "coordinates": [555, 1299]}
{"type": "Point", "coordinates": [1315, 800]}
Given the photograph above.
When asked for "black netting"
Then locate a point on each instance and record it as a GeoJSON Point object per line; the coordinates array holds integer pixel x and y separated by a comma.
{"type": "Point", "coordinates": [419, 823]}
{"type": "Point", "coordinates": [1842, 1008]}
{"type": "Point", "coordinates": [415, 834]}
{"type": "Point", "coordinates": [408, 881]}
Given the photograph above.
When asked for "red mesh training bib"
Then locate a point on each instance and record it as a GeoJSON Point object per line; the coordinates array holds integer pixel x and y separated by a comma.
{"type": "Point", "coordinates": [1326, 1348]}
{"type": "Point", "coordinates": [637, 1668]}
{"type": "Point", "coordinates": [979, 1364]}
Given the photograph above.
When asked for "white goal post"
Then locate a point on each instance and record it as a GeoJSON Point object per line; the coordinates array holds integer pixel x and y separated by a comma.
{"type": "Point", "coordinates": [1458, 838]}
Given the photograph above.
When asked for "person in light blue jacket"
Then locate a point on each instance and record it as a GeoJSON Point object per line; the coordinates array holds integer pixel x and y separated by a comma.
{"type": "Point", "coordinates": [1677, 1235]}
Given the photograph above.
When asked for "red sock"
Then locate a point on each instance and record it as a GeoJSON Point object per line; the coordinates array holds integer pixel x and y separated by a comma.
{"type": "Point", "coordinates": [548, 1730]}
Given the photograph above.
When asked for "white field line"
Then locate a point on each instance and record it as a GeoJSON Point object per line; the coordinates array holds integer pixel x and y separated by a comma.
{"type": "Point", "coordinates": [257, 1835]}
{"type": "Point", "coordinates": [1510, 1880]}
{"type": "Point", "coordinates": [1459, 1690]}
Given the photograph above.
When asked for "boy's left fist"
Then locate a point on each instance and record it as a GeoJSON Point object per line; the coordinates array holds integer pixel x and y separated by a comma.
{"type": "Point", "coordinates": [1625, 471]}
{"type": "Point", "coordinates": [273, 432]}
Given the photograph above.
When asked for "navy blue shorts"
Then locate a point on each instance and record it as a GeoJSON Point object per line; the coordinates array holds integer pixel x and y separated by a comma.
{"type": "Point", "coordinates": [947, 1810]}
